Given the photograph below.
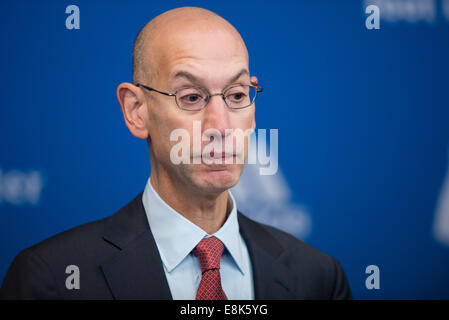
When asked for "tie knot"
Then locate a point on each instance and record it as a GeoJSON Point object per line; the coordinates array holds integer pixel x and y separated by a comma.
{"type": "Point", "coordinates": [209, 251]}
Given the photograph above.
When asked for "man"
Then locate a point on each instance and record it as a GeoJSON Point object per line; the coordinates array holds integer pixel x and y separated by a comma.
{"type": "Point", "coordinates": [182, 238]}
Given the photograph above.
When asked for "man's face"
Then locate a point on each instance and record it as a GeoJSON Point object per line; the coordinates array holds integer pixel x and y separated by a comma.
{"type": "Point", "coordinates": [210, 59]}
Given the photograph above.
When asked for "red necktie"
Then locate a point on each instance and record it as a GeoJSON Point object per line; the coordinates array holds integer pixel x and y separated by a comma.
{"type": "Point", "coordinates": [209, 251]}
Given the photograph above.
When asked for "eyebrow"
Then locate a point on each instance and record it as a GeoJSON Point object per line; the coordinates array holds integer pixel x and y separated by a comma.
{"type": "Point", "coordinates": [194, 79]}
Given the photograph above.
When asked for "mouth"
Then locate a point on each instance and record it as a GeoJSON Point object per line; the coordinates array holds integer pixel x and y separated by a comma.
{"type": "Point", "coordinates": [216, 158]}
{"type": "Point", "coordinates": [219, 156]}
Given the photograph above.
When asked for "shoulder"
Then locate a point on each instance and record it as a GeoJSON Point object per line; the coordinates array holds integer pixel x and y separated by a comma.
{"type": "Point", "coordinates": [40, 271]}
{"type": "Point", "coordinates": [88, 241]}
{"type": "Point", "coordinates": [76, 246]}
{"type": "Point", "coordinates": [286, 241]}
{"type": "Point", "coordinates": [77, 240]}
{"type": "Point", "coordinates": [297, 246]}
{"type": "Point", "coordinates": [315, 272]}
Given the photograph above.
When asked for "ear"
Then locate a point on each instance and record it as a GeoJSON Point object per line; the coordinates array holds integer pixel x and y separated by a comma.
{"type": "Point", "coordinates": [134, 108]}
{"type": "Point", "coordinates": [253, 79]}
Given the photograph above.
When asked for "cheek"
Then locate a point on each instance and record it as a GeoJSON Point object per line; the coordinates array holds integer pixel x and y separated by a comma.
{"type": "Point", "coordinates": [159, 129]}
{"type": "Point", "coordinates": [161, 126]}
{"type": "Point", "coordinates": [243, 119]}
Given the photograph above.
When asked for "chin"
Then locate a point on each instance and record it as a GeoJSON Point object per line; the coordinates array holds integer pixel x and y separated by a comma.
{"type": "Point", "coordinates": [217, 181]}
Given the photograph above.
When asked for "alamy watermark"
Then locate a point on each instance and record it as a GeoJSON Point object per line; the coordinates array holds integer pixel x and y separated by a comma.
{"type": "Point", "coordinates": [408, 11]}
{"type": "Point", "coordinates": [373, 20]}
{"type": "Point", "coordinates": [229, 151]}
{"type": "Point", "coordinates": [72, 282]}
{"type": "Point", "coordinates": [373, 280]}
{"type": "Point", "coordinates": [73, 20]}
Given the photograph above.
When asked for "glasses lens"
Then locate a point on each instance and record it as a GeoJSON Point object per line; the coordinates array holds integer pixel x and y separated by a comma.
{"type": "Point", "coordinates": [241, 96]}
{"type": "Point", "coordinates": [193, 98]}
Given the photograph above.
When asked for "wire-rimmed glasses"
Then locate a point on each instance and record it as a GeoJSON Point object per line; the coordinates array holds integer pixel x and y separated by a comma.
{"type": "Point", "coordinates": [237, 96]}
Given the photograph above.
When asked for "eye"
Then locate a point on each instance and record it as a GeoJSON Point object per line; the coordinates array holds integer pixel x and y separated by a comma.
{"type": "Point", "coordinates": [238, 96]}
{"type": "Point", "coordinates": [191, 98]}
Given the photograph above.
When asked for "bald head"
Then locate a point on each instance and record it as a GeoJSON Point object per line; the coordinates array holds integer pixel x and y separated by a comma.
{"type": "Point", "coordinates": [160, 35]}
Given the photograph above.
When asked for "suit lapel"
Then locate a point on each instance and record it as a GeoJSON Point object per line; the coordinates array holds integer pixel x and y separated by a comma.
{"type": "Point", "coordinates": [272, 279]}
{"type": "Point", "coordinates": [135, 271]}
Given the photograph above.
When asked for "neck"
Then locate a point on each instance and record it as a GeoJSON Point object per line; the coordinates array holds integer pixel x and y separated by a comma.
{"type": "Point", "coordinates": [207, 211]}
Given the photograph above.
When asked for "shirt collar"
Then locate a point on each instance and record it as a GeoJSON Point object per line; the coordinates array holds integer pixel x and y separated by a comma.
{"type": "Point", "coordinates": [176, 236]}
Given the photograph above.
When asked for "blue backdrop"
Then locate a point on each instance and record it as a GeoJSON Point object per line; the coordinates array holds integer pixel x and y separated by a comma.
{"type": "Point", "coordinates": [363, 119]}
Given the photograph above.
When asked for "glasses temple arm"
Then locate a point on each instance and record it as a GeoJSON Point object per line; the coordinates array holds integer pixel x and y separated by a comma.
{"type": "Point", "coordinates": [151, 89]}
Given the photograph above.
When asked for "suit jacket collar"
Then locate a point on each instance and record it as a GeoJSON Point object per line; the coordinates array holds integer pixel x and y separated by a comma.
{"type": "Point", "coordinates": [136, 271]}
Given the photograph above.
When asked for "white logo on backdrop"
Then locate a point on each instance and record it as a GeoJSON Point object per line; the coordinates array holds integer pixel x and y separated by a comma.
{"type": "Point", "coordinates": [267, 199]}
{"type": "Point", "coordinates": [446, 9]}
{"type": "Point", "coordinates": [441, 221]}
{"type": "Point", "coordinates": [18, 188]}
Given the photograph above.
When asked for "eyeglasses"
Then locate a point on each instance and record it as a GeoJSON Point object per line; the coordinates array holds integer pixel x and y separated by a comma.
{"type": "Point", "coordinates": [196, 98]}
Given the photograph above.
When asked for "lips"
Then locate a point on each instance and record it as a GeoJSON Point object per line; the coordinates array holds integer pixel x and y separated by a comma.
{"type": "Point", "coordinates": [215, 158]}
{"type": "Point", "coordinates": [220, 155]}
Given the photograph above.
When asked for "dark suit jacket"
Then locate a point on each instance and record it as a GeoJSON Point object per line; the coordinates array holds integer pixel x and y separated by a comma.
{"type": "Point", "coordinates": [118, 259]}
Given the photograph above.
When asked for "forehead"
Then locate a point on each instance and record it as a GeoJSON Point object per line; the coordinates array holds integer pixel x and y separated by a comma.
{"type": "Point", "coordinates": [208, 54]}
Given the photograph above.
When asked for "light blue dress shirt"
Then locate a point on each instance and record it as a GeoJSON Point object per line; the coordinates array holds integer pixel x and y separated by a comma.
{"type": "Point", "coordinates": [176, 237]}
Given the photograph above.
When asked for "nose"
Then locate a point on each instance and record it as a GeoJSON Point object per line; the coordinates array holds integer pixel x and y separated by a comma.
{"type": "Point", "coordinates": [216, 114]}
